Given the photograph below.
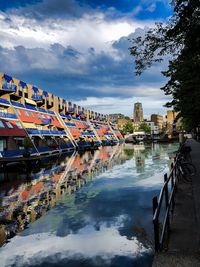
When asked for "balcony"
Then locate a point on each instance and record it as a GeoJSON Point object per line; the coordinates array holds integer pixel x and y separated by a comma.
{"type": "Point", "coordinates": [17, 104]}
{"type": "Point", "coordinates": [4, 101]}
{"type": "Point", "coordinates": [45, 132]}
{"type": "Point", "coordinates": [46, 121]}
{"type": "Point", "coordinates": [9, 87]}
{"type": "Point", "coordinates": [33, 131]}
{"type": "Point", "coordinates": [58, 132]}
{"type": "Point", "coordinates": [51, 112]}
{"type": "Point", "coordinates": [42, 110]}
{"type": "Point", "coordinates": [37, 97]}
{"type": "Point", "coordinates": [8, 115]}
{"type": "Point", "coordinates": [70, 124]}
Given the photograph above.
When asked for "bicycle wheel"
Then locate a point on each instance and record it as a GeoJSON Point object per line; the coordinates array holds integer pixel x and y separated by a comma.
{"type": "Point", "coordinates": [189, 170]}
{"type": "Point", "coordinates": [180, 172]}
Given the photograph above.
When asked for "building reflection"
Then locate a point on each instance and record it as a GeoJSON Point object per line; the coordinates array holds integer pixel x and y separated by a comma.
{"type": "Point", "coordinates": [29, 196]}
{"type": "Point", "coordinates": [139, 157]}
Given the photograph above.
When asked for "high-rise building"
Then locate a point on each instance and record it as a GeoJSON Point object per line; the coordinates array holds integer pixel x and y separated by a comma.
{"type": "Point", "coordinates": [138, 113]}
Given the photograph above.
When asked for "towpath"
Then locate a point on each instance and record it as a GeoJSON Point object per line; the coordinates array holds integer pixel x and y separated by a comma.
{"type": "Point", "coordinates": [184, 243]}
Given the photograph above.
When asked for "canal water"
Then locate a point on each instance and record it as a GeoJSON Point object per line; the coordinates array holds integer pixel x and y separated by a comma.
{"type": "Point", "coordinates": [92, 209]}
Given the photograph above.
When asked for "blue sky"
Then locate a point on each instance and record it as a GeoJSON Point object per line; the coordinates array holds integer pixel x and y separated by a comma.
{"type": "Point", "coordinates": [79, 50]}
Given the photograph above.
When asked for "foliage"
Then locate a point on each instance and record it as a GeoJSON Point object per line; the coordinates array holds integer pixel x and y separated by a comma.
{"type": "Point", "coordinates": [179, 39]}
{"type": "Point", "coordinates": [128, 128]}
{"type": "Point", "coordinates": [145, 127]}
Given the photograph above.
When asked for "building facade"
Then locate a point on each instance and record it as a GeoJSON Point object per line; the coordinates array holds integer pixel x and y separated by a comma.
{"type": "Point", "coordinates": [36, 120]}
{"type": "Point", "coordinates": [138, 113]}
{"type": "Point", "coordinates": [158, 120]}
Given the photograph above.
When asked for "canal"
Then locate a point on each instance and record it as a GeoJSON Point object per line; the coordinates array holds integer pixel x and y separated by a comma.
{"type": "Point", "coordinates": [92, 209]}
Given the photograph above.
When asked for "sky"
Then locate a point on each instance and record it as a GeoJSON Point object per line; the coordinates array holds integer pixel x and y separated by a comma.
{"type": "Point", "coordinates": [78, 50]}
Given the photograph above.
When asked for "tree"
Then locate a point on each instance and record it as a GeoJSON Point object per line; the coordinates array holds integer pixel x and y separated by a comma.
{"type": "Point", "coordinates": [145, 127]}
{"type": "Point", "coordinates": [179, 39]}
{"type": "Point", "coordinates": [128, 128]}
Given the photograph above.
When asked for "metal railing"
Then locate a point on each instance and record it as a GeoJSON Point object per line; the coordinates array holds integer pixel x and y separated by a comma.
{"type": "Point", "coordinates": [166, 198]}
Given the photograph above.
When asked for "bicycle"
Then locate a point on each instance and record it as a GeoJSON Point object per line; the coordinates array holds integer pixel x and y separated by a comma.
{"type": "Point", "coordinates": [185, 169]}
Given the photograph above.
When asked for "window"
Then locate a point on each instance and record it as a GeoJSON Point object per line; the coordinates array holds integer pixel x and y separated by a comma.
{"type": "Point", "coordinates": [18, 112]}
{"type": "Point", "coordinates": [2, 144]}
{"type": "Point", "coordinates": [1, 125]}
{"type": "Point", "coordinates": [18, 125]}
{"type": "Point", "coordinates": [26, 113]}
{"type": "Point", "coordinates": [9, 124]}
{"type": "Point", "coordinates": [31, 114]}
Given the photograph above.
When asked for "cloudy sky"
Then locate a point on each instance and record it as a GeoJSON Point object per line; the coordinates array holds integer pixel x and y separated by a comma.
{"type": "Point", "coordinates": [78, 49]}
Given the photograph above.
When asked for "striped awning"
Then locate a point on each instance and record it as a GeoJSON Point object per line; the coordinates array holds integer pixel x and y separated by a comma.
{"type": "Point", "coordinates": [45, 93]}
{"type": "Point", "coordinates": [22, 84]}
{"type": "Point", "coordinates": [29, 125]}
{"type": "Point", "coordinates": [29, 101]}
{"type": "Point", "coordinates": [35, 89]}
{"type": "Point", "coordinates": [7, 78]}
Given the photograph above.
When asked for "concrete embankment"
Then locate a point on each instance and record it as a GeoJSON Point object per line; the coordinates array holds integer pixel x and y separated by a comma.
{"type": "Point", "coordinates": [184, 243]}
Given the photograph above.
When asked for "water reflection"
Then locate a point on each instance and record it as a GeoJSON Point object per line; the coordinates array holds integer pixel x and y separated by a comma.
{"type": "Point", "coordinates": [106, 222]}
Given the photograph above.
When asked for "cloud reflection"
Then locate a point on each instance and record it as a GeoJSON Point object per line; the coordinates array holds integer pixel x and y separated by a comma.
{"type": "Point", "coordinates": [105, 243]}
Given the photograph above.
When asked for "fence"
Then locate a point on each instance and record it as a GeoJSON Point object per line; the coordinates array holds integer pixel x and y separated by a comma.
{"type": "Point", "coordinates": [166, 198]}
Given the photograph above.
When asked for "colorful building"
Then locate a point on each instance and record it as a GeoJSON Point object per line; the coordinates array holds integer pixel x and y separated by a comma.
{"type": "Point", "coordinates": [36, 122]}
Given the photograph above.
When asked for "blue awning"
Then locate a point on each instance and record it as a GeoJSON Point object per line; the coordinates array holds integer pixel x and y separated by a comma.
{"type": "Point", "coordinates": [7, 78]}
{"type": "Point", "coordinates": [35, 89]}
{"type": "Point", "coordinates": [22, 84]}
{"type": "Point", "coordinates": [45, 93]}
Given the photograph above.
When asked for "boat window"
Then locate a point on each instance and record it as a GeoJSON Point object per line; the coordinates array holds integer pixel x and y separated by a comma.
{"type": "Point", "coordinates": [31, 114]}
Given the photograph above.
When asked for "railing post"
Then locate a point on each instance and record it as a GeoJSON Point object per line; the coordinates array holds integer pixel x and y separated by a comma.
{"type": "Point", "coordinates": [167, 200]}
{"type": "Point", "coordinates": [173, 182]}
{"type": "Point", "coordinates": [156, 225]}
{"type": "Point", "coordinates": [172, 177]}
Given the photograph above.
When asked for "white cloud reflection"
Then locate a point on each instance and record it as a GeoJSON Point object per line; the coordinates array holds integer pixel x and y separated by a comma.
{"type": "Point", "coordinates": [87, 243]}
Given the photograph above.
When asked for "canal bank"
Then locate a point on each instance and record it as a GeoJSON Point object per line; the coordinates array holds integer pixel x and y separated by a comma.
{"type": "Point", "coordinates": [105, 220]}
{"type": "Point", "coordinates": [183, 248]}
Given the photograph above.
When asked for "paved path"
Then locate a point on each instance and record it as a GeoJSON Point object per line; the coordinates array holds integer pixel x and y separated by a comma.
{"type": "Point", "coordinates": [184, 243]}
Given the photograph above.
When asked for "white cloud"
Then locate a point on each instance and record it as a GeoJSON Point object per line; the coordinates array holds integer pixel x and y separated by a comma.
{"type": "Point", "coordinates": [87, 243]}
{"type": "Point", "coordinates": [90, 30]}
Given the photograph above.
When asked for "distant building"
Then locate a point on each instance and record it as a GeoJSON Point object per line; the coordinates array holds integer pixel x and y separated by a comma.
{"type": "Point", "coordinates": [138, 113]}
{"type": "Point", "coordinates": [158, 120]}
{"type": "Point", "coordinates": [171, 116]}
{"type": "Point", "coordinates": [116, 116]}
{"type": "Point", "coordinates": [154, 128]}
{"type": "Point", "coordinates": [122, 122]}
{"type": "Point", "coordinates": [173, 121]}
{"type": "Point", "coordinates": [120, 119]}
